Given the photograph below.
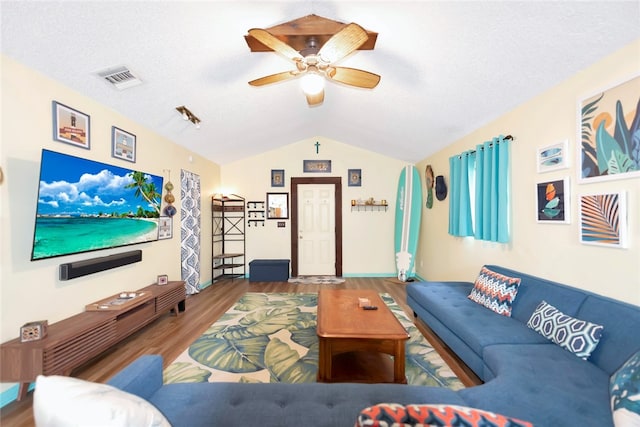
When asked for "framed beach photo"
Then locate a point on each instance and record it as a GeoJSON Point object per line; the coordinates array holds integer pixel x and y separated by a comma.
{"type": "Point", "coordinates": [71, 126]}
{"type": "Point", "coordinates": [553, 157]}
{"type": "Point", "coordinates": [123, 145]}
{"type": "Point", "coordinates": [354, 177]}
{"type": "Point", "coordinates": [552, 202]}
{"type": "Point", "coordinates": [603, 220]}
{"type": "Point", "coordinates": [165, 228]}
{"type": "Point", "coordinates": [277, 177]}
{"type": "Point", "coordinates": [607, 124]}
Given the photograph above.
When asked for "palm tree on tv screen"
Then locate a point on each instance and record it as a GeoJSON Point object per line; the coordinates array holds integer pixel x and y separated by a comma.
{"type": "Point", "coordinates": [144, 189]}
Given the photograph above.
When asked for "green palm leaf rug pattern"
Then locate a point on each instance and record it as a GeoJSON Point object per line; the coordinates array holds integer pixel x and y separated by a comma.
{"type": "Point", "coordinates": [271, 337]}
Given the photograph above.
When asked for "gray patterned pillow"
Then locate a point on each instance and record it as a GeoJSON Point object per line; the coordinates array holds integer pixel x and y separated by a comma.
{"type": "Point", "coordinates": [577, 336]}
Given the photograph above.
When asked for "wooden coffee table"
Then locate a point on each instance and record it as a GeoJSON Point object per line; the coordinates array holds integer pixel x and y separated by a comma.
{"type": "Point", "coordinates": [355, 344]}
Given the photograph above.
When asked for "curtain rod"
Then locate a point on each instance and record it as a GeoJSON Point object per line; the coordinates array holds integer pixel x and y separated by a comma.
{"type": "Point", "coordinates": [490, 144]}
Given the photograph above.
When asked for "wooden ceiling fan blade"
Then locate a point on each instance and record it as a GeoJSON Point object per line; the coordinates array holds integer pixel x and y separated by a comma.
{"type": "Point", "coordinates": [315, 99]}
{"type": "Point", "coordinates": [353, 77]}
{"type": "Point", "coordinates": [343, 43]}
{"type": "Point", "coordinates": [272, 42]}
{"type": "Point", "coordinates": [273, 78]}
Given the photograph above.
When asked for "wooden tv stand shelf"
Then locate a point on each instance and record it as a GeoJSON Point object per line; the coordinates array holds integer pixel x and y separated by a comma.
{"type": "Point", "coordinates": [73, 341]}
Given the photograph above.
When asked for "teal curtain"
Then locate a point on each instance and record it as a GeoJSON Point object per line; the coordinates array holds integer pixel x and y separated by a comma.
{"type": "Point", "coordinates": [492, 190]}
{"type": "Point", "coordinates": [460, 218]}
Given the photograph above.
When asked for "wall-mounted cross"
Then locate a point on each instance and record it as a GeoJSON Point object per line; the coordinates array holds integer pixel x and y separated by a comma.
{"type": "Point", "coordinates": [317, 144]}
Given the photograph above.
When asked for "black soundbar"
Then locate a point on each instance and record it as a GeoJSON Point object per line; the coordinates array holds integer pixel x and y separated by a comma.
{"type": "Point", "coordinates": [82, 268]}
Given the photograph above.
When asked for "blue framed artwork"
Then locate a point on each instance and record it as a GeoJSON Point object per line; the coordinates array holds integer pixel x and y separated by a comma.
{"type": "Point", "coordinates": [277, 177]}
{"type": "Point", "coordinates": [354, 177]}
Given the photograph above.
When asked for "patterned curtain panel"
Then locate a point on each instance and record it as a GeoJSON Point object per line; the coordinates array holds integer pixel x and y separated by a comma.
{"type": "Point", "coordinates": [190, 230]}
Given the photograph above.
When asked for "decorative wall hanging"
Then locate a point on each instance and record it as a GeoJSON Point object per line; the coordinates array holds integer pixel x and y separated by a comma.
{"type": "Point", "coordinates": [123, 145]}
{"type": "Point", "coordinates": [609, 125]}
{"type": "Point", "coordinates": [355, 177]}
{"type": "Point", "coordinates": [552, 203]}
{"type": "Point", "coordinates": [316, 166]}
{"type": "Point", "coordinates": [603, 220]}
{"type": "Point", "coordinates": [428, 182]}
{"type": "Point", "coordinates": [277, 177]}
{"type": "Point", "coordinates": [71, 126]}
{"type": "Point", "coordinates": [553, 157]}
{"type": "Point", "coordinates": [165, 227]}
{"type": "Point", "coordinates": [169, 198]}
{"type": "Point", "coordinates": [441, 188]}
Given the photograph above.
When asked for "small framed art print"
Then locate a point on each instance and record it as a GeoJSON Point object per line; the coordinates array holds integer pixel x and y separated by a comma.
{"type": "Point", "coordinates": [123, 145]}
{"type": "Point", "coordinates": [277, 177]}
{"type": "Point", "coordinates": [163, 279]}
{"type": "Point", "coordinates": [71, 126]}
{"type": "Point", "coordinates": [354, 177]}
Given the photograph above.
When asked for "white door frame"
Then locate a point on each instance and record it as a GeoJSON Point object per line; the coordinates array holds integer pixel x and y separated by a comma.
{"type": "Point", "coordinates": [337, 183]}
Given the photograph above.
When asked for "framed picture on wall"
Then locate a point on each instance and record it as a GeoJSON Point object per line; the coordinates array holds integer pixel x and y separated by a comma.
{"type": "Point", "coordinates": [316, 166]}
{"type": "Point", "coordinates": [277, 177]}
{"type": "Point", "coordinates": [165, 228]}
{"type": "Point", "coordinates": [553, 157]}
{"type": "Point", "coordinates": [71, 126]}
{"type": "Point", "coordinates": [123, 145]}
{"type": "Point", "coordinates": [606, 150]}
{"type": "Point", "coordinates": [354, 177]}
{"type": "Point", "coordinates": [603, 220]}
{"type": "Point", "coordinates": [552, 202]}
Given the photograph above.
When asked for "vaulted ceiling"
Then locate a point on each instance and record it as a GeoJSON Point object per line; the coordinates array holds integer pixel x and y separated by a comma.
{"type": "Point", "coordinates": [447, 67]}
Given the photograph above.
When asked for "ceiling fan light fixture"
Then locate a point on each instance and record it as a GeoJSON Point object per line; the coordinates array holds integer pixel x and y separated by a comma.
{"type": "Point", "coordinates": [312, 83]}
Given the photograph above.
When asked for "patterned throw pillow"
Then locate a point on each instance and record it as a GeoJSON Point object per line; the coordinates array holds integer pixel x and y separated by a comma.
{"type": "Point", "coordinates": [577, 336]}
{"type": "Point", "coordinates": [397, 415]}
{"type": "Point", "coordinates": [624, 387]}
{"type": "Point", "coordinates": [495, 291]}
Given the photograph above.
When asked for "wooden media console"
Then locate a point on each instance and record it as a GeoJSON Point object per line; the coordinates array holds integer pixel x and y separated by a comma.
{"type": "Point", "coordinates": [73, 341]}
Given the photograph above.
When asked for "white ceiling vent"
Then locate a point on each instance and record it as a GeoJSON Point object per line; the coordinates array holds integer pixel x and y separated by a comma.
{"type": "Point", "coordinates": [120, 77]}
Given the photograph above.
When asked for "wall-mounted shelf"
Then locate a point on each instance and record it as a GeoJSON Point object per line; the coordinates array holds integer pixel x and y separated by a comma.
{"type": "Point", "coordinates": [369, 207]}
{"type": "Point", "coordinates": [255, 213]}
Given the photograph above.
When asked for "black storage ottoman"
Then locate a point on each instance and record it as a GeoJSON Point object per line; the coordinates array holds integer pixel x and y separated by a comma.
{"type": "Point", "coordinates": [269, 270]}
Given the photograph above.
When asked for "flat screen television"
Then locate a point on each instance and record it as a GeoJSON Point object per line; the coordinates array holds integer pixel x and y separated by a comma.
{"type": "Point", "coordinates": [84, 205]}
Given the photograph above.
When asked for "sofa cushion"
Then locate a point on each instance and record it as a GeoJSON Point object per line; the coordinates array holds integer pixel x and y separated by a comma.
{"type": "Point", "coordinates": [282, 404]}
{"type": "Point", "coordinates": [448, 302]}
{"type": "Point", "coordinates": [534, 289]}
{"type": "Point", "coordinates": [578, 336]}
{"type": "Point", "coordinates": [64, 401]}
{"type": "Point", "coordinates": [395, 414]}
{"type": "Point", "coordinates": [495, 291]}
{"type": "Point", "coordinates": [624, 387]}
{"type": "Point", "coordinates": [543, 384]}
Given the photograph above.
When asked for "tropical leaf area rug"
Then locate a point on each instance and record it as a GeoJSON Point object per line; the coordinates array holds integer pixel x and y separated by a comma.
{"type": "Point", "coordinates": [271, 337]}
{"type": "Point", "coordinates": [316, 280]}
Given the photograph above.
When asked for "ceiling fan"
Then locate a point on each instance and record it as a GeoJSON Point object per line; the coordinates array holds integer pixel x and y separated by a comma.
{"type": "Point", "coordinates": [317, 63]}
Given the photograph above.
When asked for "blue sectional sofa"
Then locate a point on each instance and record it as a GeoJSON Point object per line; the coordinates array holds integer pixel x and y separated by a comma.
{"type": "Point", "coordinates": [526, 376]}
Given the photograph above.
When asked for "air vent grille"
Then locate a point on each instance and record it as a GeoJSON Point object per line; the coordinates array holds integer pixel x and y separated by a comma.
{"type": "Point", "coordinates": [120, 77]}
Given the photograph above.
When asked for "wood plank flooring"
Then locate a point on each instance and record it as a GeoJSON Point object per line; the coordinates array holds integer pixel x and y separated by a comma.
{"type": "Point", "coordinates": [170, 335]}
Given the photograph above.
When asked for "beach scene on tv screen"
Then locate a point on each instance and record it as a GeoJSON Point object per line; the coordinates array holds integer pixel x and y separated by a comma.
{"type": "Point", "coordinates": [85, 205]}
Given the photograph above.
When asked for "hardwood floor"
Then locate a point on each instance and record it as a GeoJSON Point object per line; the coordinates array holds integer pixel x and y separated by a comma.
{"type": "Point", "coordinates": [170, 335]}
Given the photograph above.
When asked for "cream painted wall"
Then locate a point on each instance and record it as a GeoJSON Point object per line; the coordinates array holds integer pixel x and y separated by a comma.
{"type": "Point", "coordinates": [367, 236]}
{"type": "Point", "coordinates": [548, 250]}
{"type": "Point", "coordinates": [31, 290]}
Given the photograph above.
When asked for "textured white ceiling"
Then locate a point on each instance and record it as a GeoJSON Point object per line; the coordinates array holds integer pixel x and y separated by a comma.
{"type": "Point", "coordinates": [447, 67]}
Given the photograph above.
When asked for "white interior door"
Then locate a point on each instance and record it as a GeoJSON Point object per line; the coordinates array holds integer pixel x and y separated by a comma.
{"type": "Point", "coordinates": [316, 230]}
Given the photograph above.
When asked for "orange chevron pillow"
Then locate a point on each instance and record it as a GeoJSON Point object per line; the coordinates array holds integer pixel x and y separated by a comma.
{"type": "Point", "coordinates": [495, 291]}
